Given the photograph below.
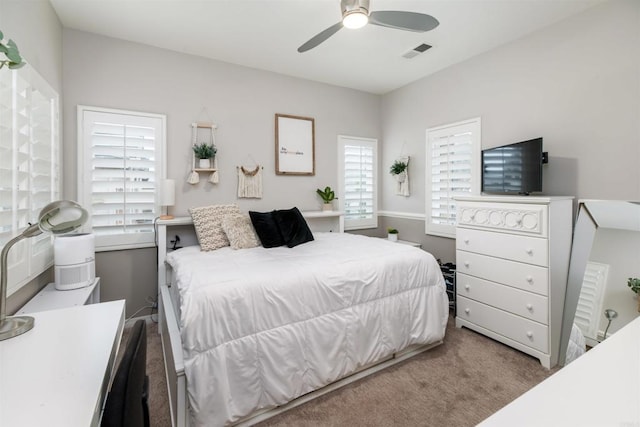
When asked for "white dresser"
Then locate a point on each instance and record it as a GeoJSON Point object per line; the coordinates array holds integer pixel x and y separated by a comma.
{"type": "Point", "coordinates": [512, 257]}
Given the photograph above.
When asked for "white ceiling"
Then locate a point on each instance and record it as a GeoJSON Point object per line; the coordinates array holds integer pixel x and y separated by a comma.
{"type": "Point", "coordinates": [265, 34]}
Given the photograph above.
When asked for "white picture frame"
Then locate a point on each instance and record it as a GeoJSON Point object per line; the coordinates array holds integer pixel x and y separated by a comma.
{"type": "Point", "coordinates": [295, 145]}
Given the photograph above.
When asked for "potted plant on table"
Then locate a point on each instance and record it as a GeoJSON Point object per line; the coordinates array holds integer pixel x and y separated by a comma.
{"type": "Point", "coordinates": [634, 284]}
{"type": "Point", "coordinates": [392, 234]}
{"type": "Point", "coordinates": [399, 170]}
{"type": "Point", "coordinates": [328, 196]}
{"type": "Point", "coordinates": [204, 152]}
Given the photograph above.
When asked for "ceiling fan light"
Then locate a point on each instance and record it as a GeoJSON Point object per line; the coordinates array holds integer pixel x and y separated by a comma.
{"type": "Point", "coordinates": [355, 19]}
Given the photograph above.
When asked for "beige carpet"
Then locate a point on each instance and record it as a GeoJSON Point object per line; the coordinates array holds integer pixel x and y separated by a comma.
{"type": "Point", "coordinates": [459, 383]}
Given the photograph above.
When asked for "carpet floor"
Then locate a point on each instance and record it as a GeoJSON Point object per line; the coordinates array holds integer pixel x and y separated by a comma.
{"type": "Point", "coordinates": [458, 383]}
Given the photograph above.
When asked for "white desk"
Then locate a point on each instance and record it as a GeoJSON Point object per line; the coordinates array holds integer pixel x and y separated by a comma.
{"type": "Point", "coordinates": [600, 388]}
{"type": "Point", "coordinates": [58, 373]}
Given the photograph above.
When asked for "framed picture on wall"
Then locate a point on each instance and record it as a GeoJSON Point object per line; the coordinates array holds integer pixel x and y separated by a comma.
{"type": "Point", "coordinates": [295, 145]}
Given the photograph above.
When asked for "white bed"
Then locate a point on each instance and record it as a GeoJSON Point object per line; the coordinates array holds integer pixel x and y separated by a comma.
{"type": "Point", "coordinates": [262, 327]}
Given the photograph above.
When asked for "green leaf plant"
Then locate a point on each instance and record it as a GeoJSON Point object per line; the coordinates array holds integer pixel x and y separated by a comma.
{"type": "Point", "coordinates": [204, 150]}
{"type": "Point", "coordinates": [13, 59]}
{"type": "Point", "coordinates": [327, 195]}
{"type": "Point", "coordinates": [398, 167]}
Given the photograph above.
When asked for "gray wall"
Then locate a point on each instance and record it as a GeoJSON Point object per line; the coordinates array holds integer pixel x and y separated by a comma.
{"type": "Point", "coordinates": [35, 28]}
{"type": "Point", "coordinates": [575, 83]}
{"type": "Point", "coordinates": [107, 72]}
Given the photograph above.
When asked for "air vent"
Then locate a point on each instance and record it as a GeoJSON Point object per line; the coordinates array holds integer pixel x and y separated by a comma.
{"type": "Point", "coordinates": [416, 51]}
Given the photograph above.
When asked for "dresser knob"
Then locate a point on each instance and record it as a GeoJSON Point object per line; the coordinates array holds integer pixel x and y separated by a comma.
{"type": "Point", "coordinates": [530, 251]}
{"type": "Point", "coordinates": [466, 310]}
{"type": "Point", "coordinates": [466, 241]}
{"type": "Point", "coordinates": [467, 287]}
{"type": "Point", "coordinates": [466, 264]}
{"type": "Point", "coordinates": [529, 334]}
{"type": "Point", "coordinates": [529, 279]}
{"type": "Point", "coordinates": [529, 307]}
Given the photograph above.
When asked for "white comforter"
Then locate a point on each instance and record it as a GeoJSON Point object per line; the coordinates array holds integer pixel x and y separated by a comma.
{"type": "Point", "coordinates": [261, 327]}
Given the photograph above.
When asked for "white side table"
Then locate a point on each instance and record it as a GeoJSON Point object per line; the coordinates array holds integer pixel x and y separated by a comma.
{"type": "Point", "coordinates": [49, 298]}
{"type": "Point", "coordinates": [404, 242]}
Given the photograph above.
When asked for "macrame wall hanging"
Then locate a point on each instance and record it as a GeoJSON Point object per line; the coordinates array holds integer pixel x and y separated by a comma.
{"type": "Point", "coordinates": [402, 178]}
{"type": "Point", "coordinates": [204, 133]}
{"type": "Point", "coordinates": [250, 181]}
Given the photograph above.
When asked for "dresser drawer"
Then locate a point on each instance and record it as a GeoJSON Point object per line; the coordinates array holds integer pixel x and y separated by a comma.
{"type": "Point", "coordinates": [527, 277]}
{"type": "Point", "coordinates": [526, 304]}
{"type": "Point", "coordinates": [533, 250]}
{"type": "Point", "coordinates": [528, 219]}
{"type": "Point", "coordinates": [514, 327]}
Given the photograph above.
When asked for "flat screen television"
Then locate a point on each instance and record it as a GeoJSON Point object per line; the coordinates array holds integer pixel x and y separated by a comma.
{"type": "Point", "coordinates": [514, 168]}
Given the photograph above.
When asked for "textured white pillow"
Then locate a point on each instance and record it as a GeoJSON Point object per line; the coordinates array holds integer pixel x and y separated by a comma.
{"type": "Point", "coordinates": [240, 232]}
{"type": "Point", "coordinates": [208, 224]}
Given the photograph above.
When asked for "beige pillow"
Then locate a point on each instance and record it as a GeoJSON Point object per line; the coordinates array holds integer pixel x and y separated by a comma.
{"type": "Point", "coordinates": [240, 232]}
{"type": "Point", "coordinates": [208, 224]}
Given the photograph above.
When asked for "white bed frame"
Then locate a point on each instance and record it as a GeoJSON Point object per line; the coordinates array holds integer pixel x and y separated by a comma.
{"type": "Point", "coordinates": [168, 324]}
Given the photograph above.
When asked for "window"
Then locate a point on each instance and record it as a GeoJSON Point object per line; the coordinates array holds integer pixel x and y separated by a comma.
{"type": "Point", "coordinates": [121, 163]}
{"type": "Point", "coordinates": [29, 168]}
{"type": "Point", "coordinates": [357, 163]}
{"type": "Point", "coordinates": [453, 159]}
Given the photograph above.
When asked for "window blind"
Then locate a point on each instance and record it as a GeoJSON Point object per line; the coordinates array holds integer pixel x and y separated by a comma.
{"type": "Point", "coordinates": [29, 168]}
{"type": "Point", "coordinates": [589, 308]}
{"type": "Point", "coordinates": [358, 182]}
{"type": "Point", "coordinates": [123, 166]}
{"type": "Point", "coordinates": [450, 175]}
{"type": "Point", "coordinates": [453, 155]}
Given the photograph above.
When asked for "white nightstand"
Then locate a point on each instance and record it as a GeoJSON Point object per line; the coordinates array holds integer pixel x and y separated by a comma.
{"type": "Point", "coordinates": [49, 298]}
{"type": "Point", "coordinates": [404, 242]}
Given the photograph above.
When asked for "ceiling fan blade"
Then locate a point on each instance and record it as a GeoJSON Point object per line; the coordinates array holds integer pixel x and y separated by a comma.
{"type": "Point", "coordinates": [410, 21]}
{"type": "Point", "coordinates": [320, 37]}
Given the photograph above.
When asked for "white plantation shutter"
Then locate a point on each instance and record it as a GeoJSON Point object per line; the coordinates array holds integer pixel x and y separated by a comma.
{"type": "Point", "coordinates": [589, 308]}
{"type": "Point", "coordinates": [357, 160]}
{"type": "Point", "coordinates": [453, 162]}
{"type": "Point", "coordinates": [122, 166]}
{"type": "Point", "coordinates": [29, 168]}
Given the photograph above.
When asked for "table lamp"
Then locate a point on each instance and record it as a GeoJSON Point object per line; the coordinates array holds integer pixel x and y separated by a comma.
{"type": "Point", "coordinates": [168, 197]}
{"type": "Point", "coordinates": [57, 217]}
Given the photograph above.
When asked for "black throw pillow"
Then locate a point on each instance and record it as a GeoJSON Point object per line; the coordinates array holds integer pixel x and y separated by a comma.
{"type": "Point", "coordinates": [267, 229]}
{"type": "Point", "coordinates": [293, 227]}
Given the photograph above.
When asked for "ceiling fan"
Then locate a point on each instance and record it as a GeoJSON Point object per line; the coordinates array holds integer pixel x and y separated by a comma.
{"type": "Point", "coordinates": [355, 14]}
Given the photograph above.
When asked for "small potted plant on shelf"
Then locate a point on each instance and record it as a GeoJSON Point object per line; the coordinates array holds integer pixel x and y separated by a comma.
{"type": "Point", "coordinates": [328, 196]}
{"type": "Point", "coordinates": [399, 170]}
{"type": "Point", "coordinates": [204, 152]}
{"type": "Point", "coordinates": [634, 284]}
{"type": "Point", "coordinates": [392, 234]}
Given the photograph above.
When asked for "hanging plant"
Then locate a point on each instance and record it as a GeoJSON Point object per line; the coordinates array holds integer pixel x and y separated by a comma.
{"type": "Point", "coordinates": [204, 150]}
{"type": "Point", "coordinates": [398, 167]}
{"type": "Point", "coordinates": [13, 59]}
